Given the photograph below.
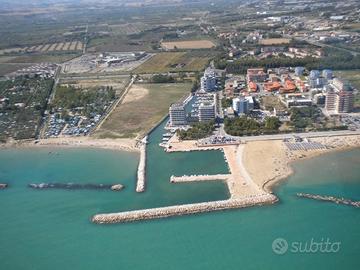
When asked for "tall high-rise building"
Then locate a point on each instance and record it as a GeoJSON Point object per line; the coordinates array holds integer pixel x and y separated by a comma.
{"type": "Point", "coordinates": [339, 97]}
{"type": "Point", "coordinates": [331, 100]}
{"type": "Point", "coordinates": [345, 101]}
{"type": "Point", "coordinates": [177, 114]}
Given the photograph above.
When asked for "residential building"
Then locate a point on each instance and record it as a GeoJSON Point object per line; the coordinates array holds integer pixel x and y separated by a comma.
{"type": "Point", "coordinates": [327, 74]}
{"type": "Point", "coordinates": [331, 100]}
{"type": "Point", "coordinates": [339, 97]}
{"type": "Point", "coordinates": [241, 105]}
{"type": "Point", "coordinates": [206, 111]}
{"type": "Point", "coordinates": [299, 71]}
{"type": "Point", "coordinates": [208, 81]}
{"type": "Point", "coordinates": [177, 114]}
{"type": "Point", "coordinates": [345, 101]}
{"type": "Point", "coordinates": [256, 75]}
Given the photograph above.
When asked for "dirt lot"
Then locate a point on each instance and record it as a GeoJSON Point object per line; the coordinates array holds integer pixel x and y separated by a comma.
{"type": "Point", "coordinates": [190, 44]}
{"type": "Point", "coordinates": [142, 108]}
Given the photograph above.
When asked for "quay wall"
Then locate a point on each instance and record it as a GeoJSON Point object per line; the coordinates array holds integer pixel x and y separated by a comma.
{"type": "Point", "coordinates": [186, 209]}
{"type": "Point", "coordinates": [140, 185]}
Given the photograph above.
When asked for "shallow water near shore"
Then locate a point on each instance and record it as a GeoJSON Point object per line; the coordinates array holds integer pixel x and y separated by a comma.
{"type": "Point", "coordinates": [51, 229]}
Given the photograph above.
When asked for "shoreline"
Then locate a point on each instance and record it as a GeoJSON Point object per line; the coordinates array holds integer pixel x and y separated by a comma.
{"type": "Point", "coordinates": [255, 168]}
{"type": "Point", "coordinates": [128, 145]}
{"type": "Point", "coordinates": [270, 184]}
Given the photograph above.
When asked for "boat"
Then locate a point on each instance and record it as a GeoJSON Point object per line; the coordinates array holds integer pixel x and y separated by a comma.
{"type": "Point", "coordinates": [168, 135]}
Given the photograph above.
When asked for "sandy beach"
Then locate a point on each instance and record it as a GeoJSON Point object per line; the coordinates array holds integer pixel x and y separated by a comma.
{"type": "Point", "coordinates": [73, 142]}
{"type": "Point", "coordinates": [268, 162]}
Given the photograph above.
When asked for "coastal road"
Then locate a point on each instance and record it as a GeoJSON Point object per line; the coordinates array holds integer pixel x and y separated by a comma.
{"type": "Point", "coordinates": [301, 135]}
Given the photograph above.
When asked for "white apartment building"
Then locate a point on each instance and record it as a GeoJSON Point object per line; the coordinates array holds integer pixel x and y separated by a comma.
{"type": "Point", "coordinates": [177, 115]}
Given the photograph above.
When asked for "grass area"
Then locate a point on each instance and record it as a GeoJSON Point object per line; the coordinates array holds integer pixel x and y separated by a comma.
{"type": "Point", "coordinates": [39, 58]}
{"type": "Point", "coordinates": [174, 61]}
{"type": "Point", "coordinates": [353, 76]}
{"type": "Point", "coordinates": [143, 107]}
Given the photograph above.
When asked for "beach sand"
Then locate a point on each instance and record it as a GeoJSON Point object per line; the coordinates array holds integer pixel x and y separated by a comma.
{"type": "Point", "coordinates": [267, 162]}
{"type": "Point", "coordinates": [73, 142]}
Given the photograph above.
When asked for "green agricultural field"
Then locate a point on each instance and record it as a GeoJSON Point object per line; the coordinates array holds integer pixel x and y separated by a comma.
{"type": "Point", "coordinates": [143, 107]}
{"type": "Point", "coordinates": [174, 61]}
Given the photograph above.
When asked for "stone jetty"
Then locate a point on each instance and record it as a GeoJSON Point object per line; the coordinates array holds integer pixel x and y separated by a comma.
{"type": "Point", "coordinates": [140, 185]}
{"type": "Point", "coordinates": [330, 199]}
{"type": "Point", "coordinates": [71, 186]}
{"type": "Point", "coordinates": [117, 187]}
{"type": "Point", "coordinates": [3, 186]}
{"type": "Point", "coordinates": [186, 209]}
{"type": "Point", "coordinates": [197, 178]}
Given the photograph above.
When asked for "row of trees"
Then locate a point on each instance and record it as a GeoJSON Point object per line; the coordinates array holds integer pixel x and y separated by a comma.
{"type": "Point", "coordinates": [160, 78]}
{"type": "Point", "coordinates": [197, 131]}
{"type": "Point", "coordinates": [247, 126]}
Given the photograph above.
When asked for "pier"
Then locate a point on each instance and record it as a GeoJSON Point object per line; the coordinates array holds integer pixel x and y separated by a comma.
{"type": "Point", "coordinates": [140, 185]}
{"type": "Point", "coordinates": [198, 178]}
{"type": "Point", "coordinates": [185, 209]}
{"type": "Point", "coordinates": [330, 199]}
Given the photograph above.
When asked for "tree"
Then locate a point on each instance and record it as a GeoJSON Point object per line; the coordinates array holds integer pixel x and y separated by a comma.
{"type": "Point", "coordinates": [272, 123]}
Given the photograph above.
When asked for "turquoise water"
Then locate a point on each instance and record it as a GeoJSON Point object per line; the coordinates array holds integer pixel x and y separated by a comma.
{"type": "Point", "coordinates": [51, 229]}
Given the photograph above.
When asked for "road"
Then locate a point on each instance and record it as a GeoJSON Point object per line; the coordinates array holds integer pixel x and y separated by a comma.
{"type": "Point", "coordinates": [316, 43]}
{"type": "Point", "coordinates": [302, 135]}
{"type": "Point", "coordinates": [106, 115]}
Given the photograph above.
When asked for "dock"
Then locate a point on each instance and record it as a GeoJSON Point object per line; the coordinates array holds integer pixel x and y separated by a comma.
{"type": "Point", "coordinates": [185, 209]}
{"type": "Point", "coordinates": [140, 185]}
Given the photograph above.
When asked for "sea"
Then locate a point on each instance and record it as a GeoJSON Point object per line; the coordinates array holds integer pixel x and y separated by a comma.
{"type": "Point", "coordinates": [51, 229]}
